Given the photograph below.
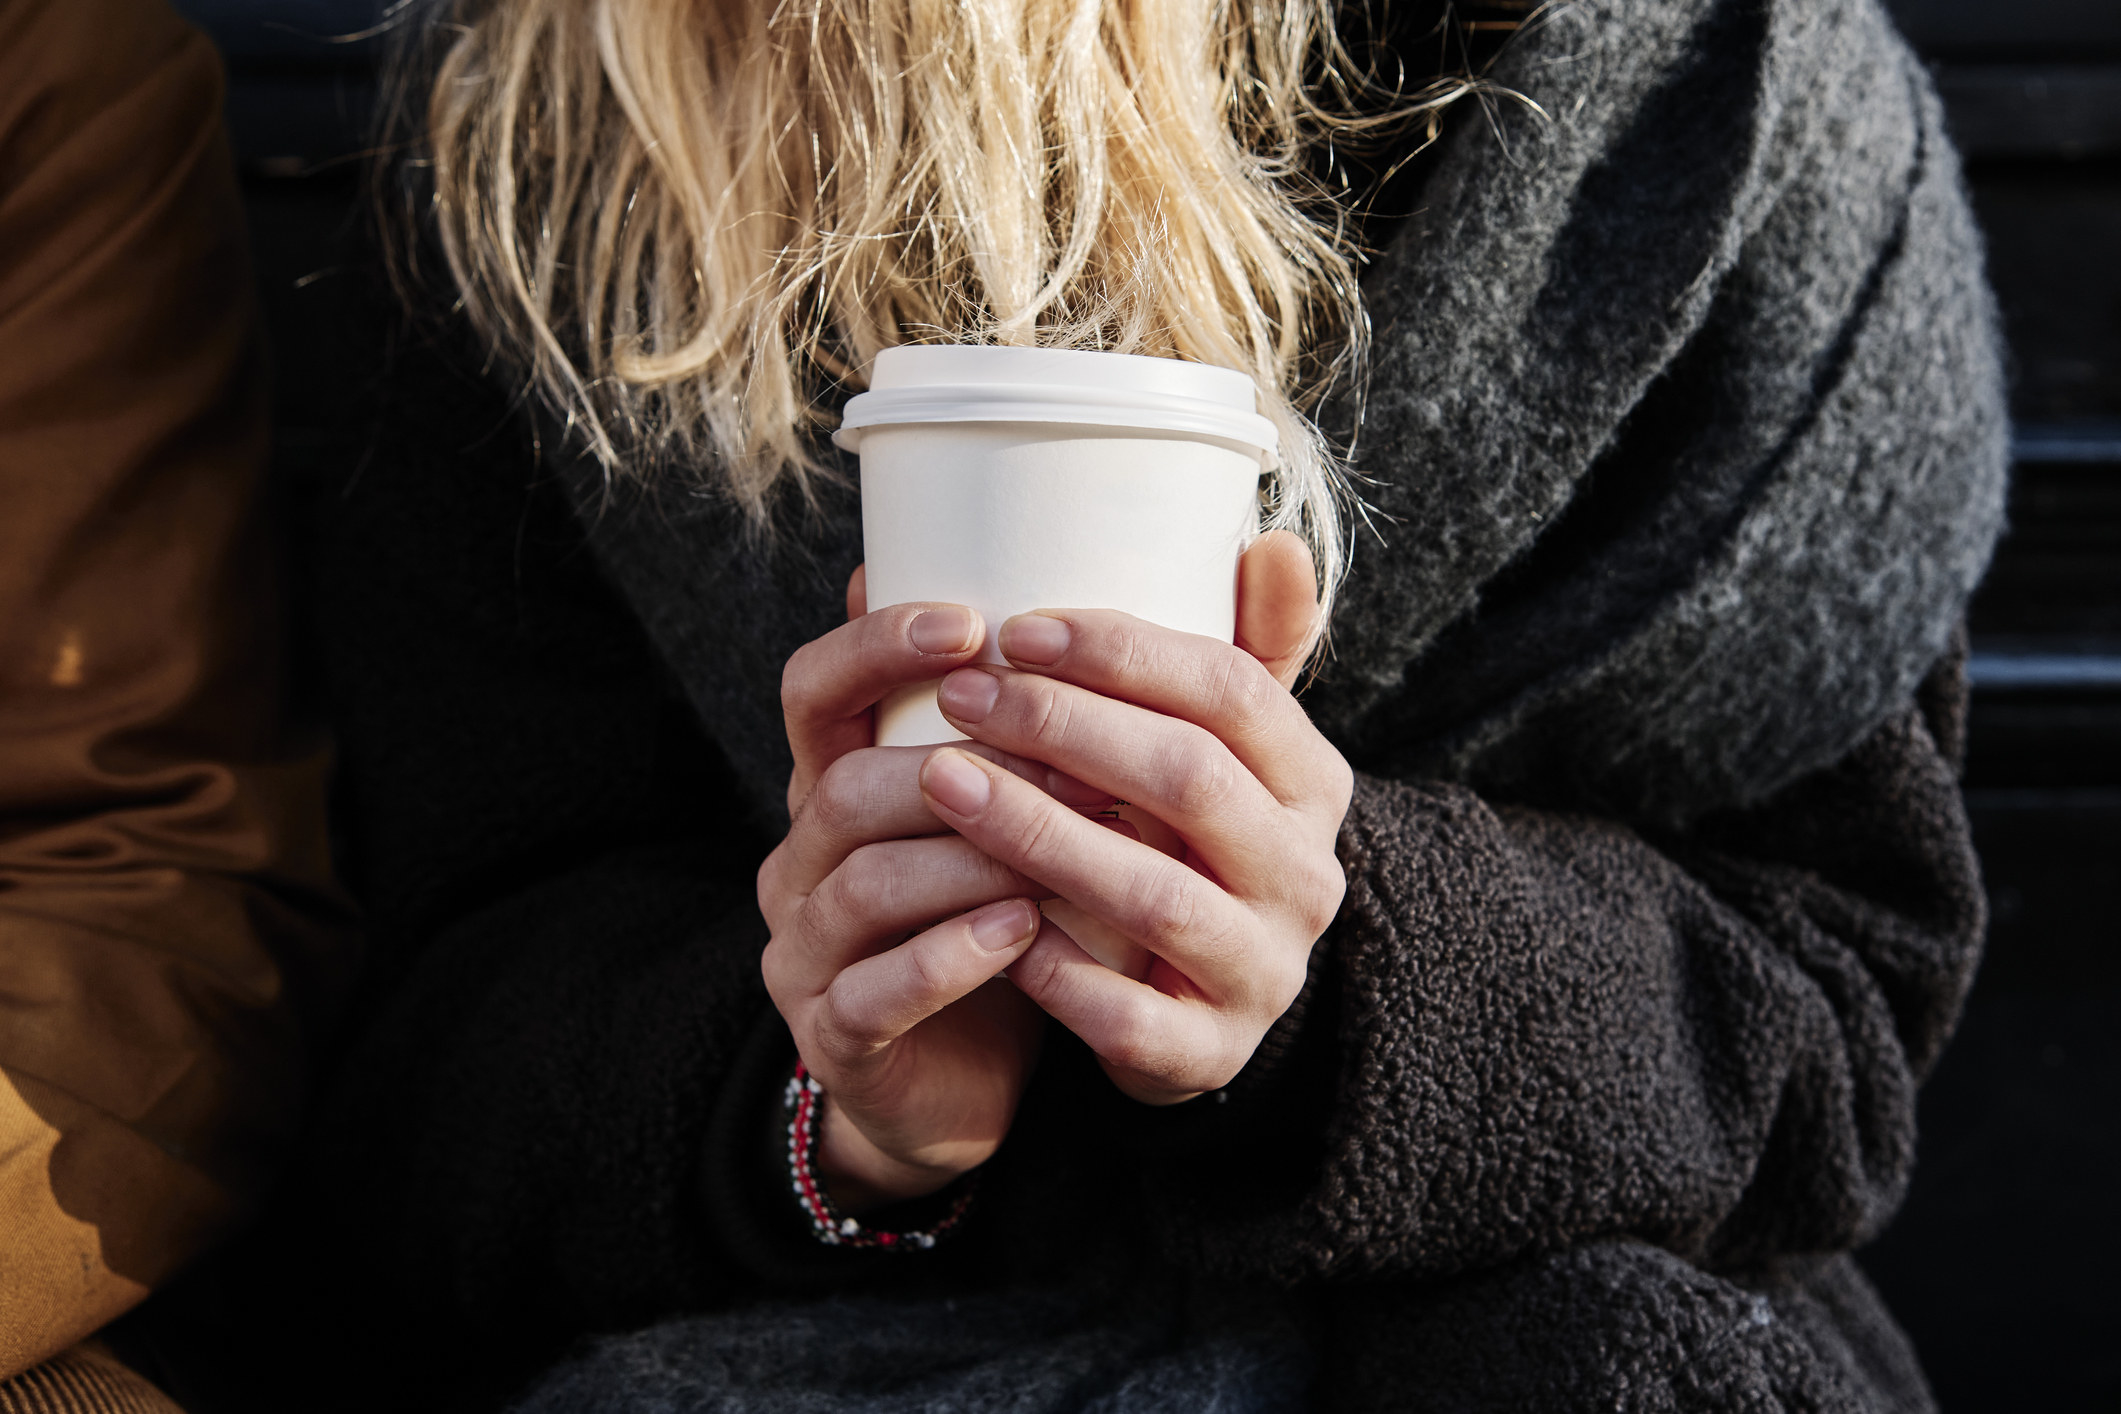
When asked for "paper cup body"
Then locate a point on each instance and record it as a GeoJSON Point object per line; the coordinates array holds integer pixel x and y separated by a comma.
{"type": "Point", "coordinates": [1013, 479]}
{"type": "Point", "coordinates": [1013, 516]}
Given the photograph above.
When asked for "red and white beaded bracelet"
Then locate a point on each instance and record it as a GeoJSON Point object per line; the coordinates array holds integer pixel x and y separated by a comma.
{"type": "Point", "coordinates": [803, 1100]}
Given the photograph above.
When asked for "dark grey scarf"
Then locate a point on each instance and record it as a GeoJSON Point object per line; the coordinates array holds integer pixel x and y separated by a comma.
{"type": "Point", "coordinates": [1025, 1352]}
{"type": "Point", "coordinates": [1676, 490]}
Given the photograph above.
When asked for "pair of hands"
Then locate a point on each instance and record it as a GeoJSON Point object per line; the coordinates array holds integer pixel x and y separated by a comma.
{"type": "Point", "coordinates": [923, 1033]}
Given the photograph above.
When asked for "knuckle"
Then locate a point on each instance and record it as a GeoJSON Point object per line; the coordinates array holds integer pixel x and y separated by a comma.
{"type": "Point", "coordinates": [836, 801]}
{"type": "Point", "coordinates": [1037, 974]}
{"type": "Point", "coordinates": [845, 1028]}
{"type": "Point", "coordinates": [1128, 651]}
{"type": "Point", "coordinates": [770, 885]}
{"type": "Point", "coordinates": [1226, 1065]}
{"type": "Point", "coordinates": [1134, 1038]}
{"type": "Point", "coordinates": [773, 970]}
{"type": "Point", "coordinates": [1201, 776]}
{"type": "Point", "coordinates": [883, 631]}
{"type": "Point", "coordinates": [1213, 1061]}
{"type": "Point", "coordinates": [799, 679]}
{"type": "Point", "coordinates": [932, 977]}
{"type": "Point", "coordinates": [1244, 690]}
{"type": "Point", "coordinates": [1325, 887]}
{"type": "Point", "coordinates": [1286, 984]}
{"type": "Point", "coordinates": [817, 921]}
{"type": "Point", "coordinates": [1320, 917]}
{"type": "Point", "coordinates": [1169, 906]}
{"type": "Point", "coordinates": [865, 887]}
{"type": "Point", "coordinates": [832, 910]}
{"type": "Point", "coordinates": [826, 913]}
{"type": "Point", "coordinates": [1340, 784]}
{"type": "Point", "coordinates": [1044, 711]}
{"type": "Point", "coordinates": [1038, 836]}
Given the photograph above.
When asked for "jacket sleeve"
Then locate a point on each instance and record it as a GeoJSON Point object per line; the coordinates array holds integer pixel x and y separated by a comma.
{"type": "Point", "coordinates": [163, 868]}
{"type": "Point", "coordinates": [544, 1118]}
{"type": "Point", "coordinates": [1531, 1029]}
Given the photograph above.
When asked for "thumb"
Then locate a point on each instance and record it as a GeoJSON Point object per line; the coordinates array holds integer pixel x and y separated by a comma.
{"type": "Point", "coordinates": [1277, 604]}
{"type": "Point", "coordinates": [858, 592]}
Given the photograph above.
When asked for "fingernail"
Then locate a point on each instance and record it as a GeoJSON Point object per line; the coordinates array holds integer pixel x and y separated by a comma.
{"type": "Point", "coordinates": [956, 783]}
{"type": "Point", "coordinates": [1034, 638]}
{"type": "Point", "coordinates": [947, 630]}
{"type": "Point", "coordinates": [1004, 925]}
{"type": "Point", "coordinates": [968, 694]}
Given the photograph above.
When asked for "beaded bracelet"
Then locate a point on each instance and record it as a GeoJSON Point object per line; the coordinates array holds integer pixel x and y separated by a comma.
{"type": "Point", "coordinates": [802, 1100]}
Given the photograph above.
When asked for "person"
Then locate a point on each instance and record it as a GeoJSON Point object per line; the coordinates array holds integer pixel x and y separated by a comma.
{"type": "Point", "coordinates": [1539, 1019]}
{"type": "Point", "coordinates": [170, 936]}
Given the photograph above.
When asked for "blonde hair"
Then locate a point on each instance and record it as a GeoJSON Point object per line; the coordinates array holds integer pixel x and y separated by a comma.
{"type": "Point", "coordinates": [684, 220]}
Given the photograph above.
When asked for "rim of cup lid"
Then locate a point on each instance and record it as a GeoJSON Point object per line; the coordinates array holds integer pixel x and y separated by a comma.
{"type": "Point", "coordinates": [944, 383]}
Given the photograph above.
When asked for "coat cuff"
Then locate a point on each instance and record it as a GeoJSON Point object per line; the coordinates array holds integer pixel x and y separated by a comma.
{"type": "Point", "coordinates": [753, 1213]}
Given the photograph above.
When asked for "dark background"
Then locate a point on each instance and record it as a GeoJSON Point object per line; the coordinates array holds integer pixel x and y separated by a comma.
{"type": "Point", "coordinates": [2003, 1263]}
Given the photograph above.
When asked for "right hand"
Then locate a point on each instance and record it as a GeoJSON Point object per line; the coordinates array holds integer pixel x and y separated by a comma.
{"type": "Point", "coordinates": [922, 1049]}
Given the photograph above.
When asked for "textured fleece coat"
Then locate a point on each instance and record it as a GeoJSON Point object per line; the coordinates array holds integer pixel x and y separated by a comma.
{"type": "Point", "coordinates": [1686, 446]}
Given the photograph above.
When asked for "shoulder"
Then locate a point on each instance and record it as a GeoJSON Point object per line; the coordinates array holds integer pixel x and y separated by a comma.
{"type": "Point", "coordinates": [64, 59]}
{"type": "Point", "coordinates": [119, 214]}
{"type": "Point", "coordinates": [101, 102]}
{"type": "Point", "coordinates": [1687, 411]}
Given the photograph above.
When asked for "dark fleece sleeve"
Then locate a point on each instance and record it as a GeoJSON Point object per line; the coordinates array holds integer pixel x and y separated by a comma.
{"type": "Point", "coordinates": [519, 1139]}
{"type": "Point", "coordinates": [1552, 1028]}
{"type": "Point", "coordinates": [518, 1149]}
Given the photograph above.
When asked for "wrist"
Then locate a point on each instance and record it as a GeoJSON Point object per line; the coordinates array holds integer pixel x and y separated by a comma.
{"type": "Point", "coordinates": [860, 1177]}
{"type": "Point", "coordinates": [836, 1227]}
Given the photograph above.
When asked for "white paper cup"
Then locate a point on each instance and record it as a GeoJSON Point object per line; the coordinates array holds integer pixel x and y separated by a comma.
{"type": "Point", "coordinates": [1013, 479]}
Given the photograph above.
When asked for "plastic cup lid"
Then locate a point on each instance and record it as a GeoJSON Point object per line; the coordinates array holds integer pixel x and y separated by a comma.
{"type": "Point", "coordinates": [985, 383]}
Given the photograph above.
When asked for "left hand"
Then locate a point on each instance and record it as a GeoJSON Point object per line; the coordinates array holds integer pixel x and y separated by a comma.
{"type": "Point", "coordinates": [1204, 737]}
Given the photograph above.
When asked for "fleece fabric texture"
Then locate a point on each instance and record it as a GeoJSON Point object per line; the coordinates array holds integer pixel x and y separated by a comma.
{"type": "Point", "coordinates": [1685, 440]}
